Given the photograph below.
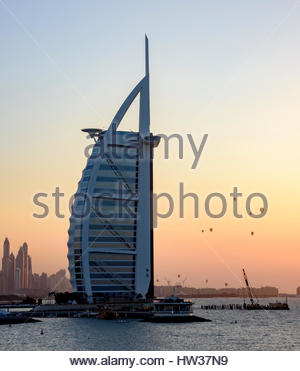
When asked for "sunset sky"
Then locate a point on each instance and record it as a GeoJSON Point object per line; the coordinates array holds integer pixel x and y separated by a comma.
{"type": "Point", "coordinates": [227, 69]}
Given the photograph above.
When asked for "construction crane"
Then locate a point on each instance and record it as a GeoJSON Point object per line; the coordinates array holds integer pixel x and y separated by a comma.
{"type": "Point", "coordinates": [248, 287]}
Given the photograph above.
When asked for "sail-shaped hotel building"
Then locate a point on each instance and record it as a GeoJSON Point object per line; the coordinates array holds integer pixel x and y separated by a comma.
{"type": "Point", "coordinates": [110, 246]}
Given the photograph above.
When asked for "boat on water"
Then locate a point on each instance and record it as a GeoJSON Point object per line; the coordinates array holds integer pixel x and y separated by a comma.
{"type": "Point", "coordinates": [7, 318]}
{"type": "Point", "coordinates": [173, 309]}
{"type": "Point", "coordinates": [108, 313]}
{"type": "Point", "coordinates": [11, 320]}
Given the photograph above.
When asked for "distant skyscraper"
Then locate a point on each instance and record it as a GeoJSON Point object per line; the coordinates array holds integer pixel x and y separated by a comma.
{"type": "Point", "coordinates": [25, 259]}
{"type": "Point", "coordinates": [2, 288]}
{"type": "Point", "coordinates": [29, 272]}
{"type": "Point", "coordinates": [6, 248]}
{"type": "Point", "coordinates": [22, 263]}
{"type": "Point", "coordinates": [111, 248]}
{"type": "Point", "coordinates": [20, 268]}
{"type": "Point", "coordinates": [18, 275]}
{"type": "Point", "coordinates": [11, 273]}
{"type": "Point", "coordinates": [5, 265]}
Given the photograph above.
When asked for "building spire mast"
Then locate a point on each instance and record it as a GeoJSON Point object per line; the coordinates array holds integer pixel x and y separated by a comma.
{"type": "Point", "coordinates": [146, 56]}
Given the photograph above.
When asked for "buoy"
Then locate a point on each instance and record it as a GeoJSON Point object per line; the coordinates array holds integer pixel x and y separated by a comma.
{"type": "Point", "coordinates": [42, 332]}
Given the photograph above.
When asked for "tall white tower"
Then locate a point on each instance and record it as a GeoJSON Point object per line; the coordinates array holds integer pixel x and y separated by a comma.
{"type": "Point", "coordinates": [111, 232]}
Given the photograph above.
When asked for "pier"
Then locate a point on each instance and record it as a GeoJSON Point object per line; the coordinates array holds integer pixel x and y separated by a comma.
{"type": "Point", "coordinates": [223, 307]}
{"type": "Point", "coordinates": [254, 306]}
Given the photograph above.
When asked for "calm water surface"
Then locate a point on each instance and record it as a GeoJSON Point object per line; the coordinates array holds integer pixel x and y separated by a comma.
{"type": "Point", "coordinates": [254, 330]}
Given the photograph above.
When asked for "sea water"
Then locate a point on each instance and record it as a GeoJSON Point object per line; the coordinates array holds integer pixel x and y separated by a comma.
{"type": "Point", "coordinates": [229, 330]}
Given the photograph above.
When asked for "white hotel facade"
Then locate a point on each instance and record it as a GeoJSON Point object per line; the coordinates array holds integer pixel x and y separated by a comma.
{"type": "Point", "coordinates": [111, 233]}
